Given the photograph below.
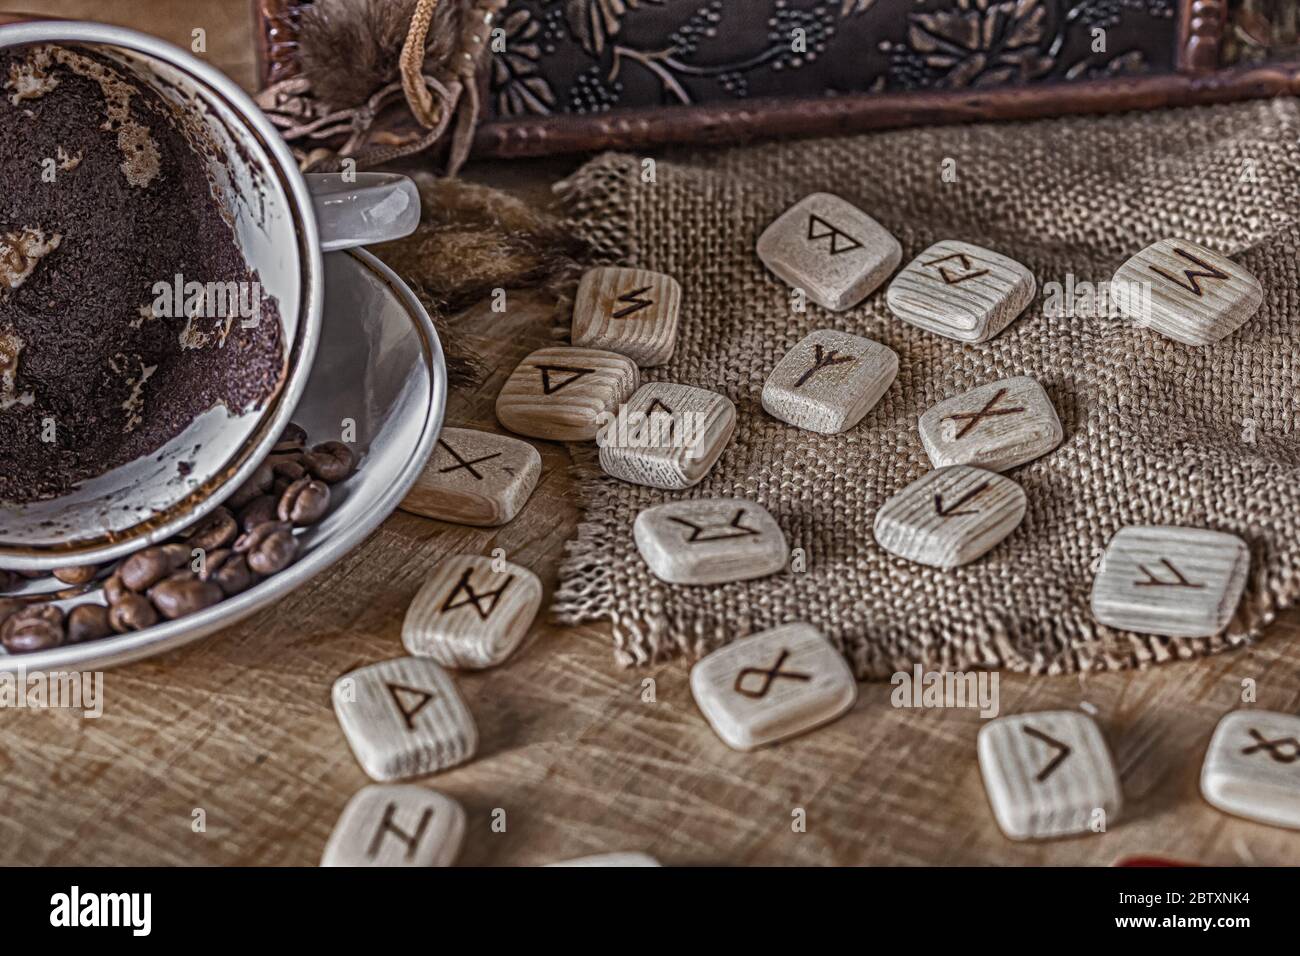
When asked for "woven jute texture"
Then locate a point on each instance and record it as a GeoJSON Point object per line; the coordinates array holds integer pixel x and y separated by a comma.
{"type": "Point", "coordinates": [1155, 432]}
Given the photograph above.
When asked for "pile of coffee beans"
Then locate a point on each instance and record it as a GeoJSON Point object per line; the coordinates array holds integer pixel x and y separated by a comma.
{"type": "Point", "coordinates": [247, 539]}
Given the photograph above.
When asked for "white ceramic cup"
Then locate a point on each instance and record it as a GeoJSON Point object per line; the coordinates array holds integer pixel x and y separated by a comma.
{"type": "Point", "coordinates": [281, 223]}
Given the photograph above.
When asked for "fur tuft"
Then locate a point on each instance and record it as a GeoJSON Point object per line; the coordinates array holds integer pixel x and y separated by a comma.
{"type": "Point", "coordinates": [349, 49]}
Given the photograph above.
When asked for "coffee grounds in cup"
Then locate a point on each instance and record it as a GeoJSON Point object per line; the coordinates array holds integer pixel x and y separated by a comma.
{"type": "Point", "coordinates": [102, 201]}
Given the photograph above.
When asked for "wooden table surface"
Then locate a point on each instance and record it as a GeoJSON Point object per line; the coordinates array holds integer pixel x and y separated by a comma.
{"type": "Point", "coordinates": [581, 758]}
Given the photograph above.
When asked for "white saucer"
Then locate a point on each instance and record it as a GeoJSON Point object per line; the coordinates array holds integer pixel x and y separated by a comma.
{"type": "Point", "coordinates": [380, 364]}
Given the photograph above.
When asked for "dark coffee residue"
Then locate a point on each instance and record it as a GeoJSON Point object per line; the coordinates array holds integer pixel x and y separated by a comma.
{"type": "Point", "coordinates": [90, 378]}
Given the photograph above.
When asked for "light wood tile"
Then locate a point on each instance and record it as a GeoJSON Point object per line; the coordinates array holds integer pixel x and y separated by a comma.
{"type": "Point", "coordinates": [632, 311]}
{"type": "Point", "coordinates": [611, 859]}
{"type": "Point", "coordinates": [668, 436]}
{"type": "Point", "coordinates": [475, 478]}
{"type": "Point", "coordinates": [995, 426]}
{"type": "Point", "coordinates": [1171, 581]}
{"type": "Point", "coordinates": [472, 612]}
{"type": "Point", "coordinates": [961, 291]}
{"type": "Point", "coordinates": [563, 394]}
{"type": "Point", "coordinates": [1184, 291]}
{"type": "Point", "coordinates": [829, 381]}
{"type": "Point", "coordinates": [710, 541]}
{"type": "Point", "coordinates": [397, 825]}
{"type": "Point", "coordinates": [1252, 767]}
{"type": "Point", "coordinates": [1048, 774]}
{"type": "Point", "coordinates": [950, 516]}
{"type": "Point", "coordinates": [772, 685]}
{"type": "Point", "coordinates": [404, 718]}
{"type": "Point", "coordinates": [833, 251]}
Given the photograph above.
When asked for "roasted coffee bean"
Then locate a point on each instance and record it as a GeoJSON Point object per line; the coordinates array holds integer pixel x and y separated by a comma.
{"type": "Point", "coordinates": [183, 594]}
{"type": "Point", "coordinates": [259, 511]}
{"type": "Point", "coordinates": [78, 574]}
{"type": "Point", "coordinates": [114, 589]}
{"type": "Point", "coordinates": [257, 485]}
{"type": "Point", "coordinates": [8, 608]}
{"type": "Point", "coordinates": [270, 547]}
{"type": "Point", "coordinates": [132, 613]}
{"type": "Point", "coordinates": [293, 438]}
{"type": "Point", "coordinates": [146, 568]}
{"type": "Point", "coordinates": [330, 461]}
{"type": "Point", "coordinates": [215, 531]}
{"type": "Point", "coordinates": [230, 572]}
{"type": "Point", "coordinates": [286, 473]}
{"type": "Point", "coordinates": [88, 622]}
{"type": "Point", "coordinates": [34, 628]}
{"type": "Point", "coordinates": [304, 502]}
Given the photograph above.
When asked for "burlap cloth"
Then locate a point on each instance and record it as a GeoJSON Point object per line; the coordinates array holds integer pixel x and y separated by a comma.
{"type": "Point", "coordinates": [1155, 431]}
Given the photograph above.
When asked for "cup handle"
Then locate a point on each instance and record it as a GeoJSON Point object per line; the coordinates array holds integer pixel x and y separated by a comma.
{"type": "Point", "coordinates": [363, 208]}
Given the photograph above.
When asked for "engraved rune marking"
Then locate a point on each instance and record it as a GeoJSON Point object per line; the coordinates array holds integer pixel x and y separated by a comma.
{"type": "Point", "coordinates": [951, 510]}
{"type": "Point", "coordinates": [462, 463]}
{"type": "Point", "coordinates": [1283, 750]}
{"type": "Point", "coordinates": [990, 410]}
{"type": "Point", "coordinates": [823, 359]}
{"type": "Point", "coordinates": [1180, 581]}
{"type": "Point", "coordinates": [733, 529]}
{"type": "Point", "coordinates": [387, 826]}
{"type": "Point", "coordinates": [635, 302]}
{"type": "Point", "coordinates": [769, 677]}
{"type": "Point", "coordinates": [408, 713]}
{"type": "Point", "coordinates": [841, 241]}
{"type": "Point", "coordinates": [1063, 751]}
{"type": "Point", "coordinates": [656, 407]}
{"type": "Point", "coordinates": [552, 385]}
{"type": "Point", "coordinates": [956, 278]}
{"type": "Point", "coordinates": [1191, 285]}
{"type": "Point", "coordinates": [473, 597]}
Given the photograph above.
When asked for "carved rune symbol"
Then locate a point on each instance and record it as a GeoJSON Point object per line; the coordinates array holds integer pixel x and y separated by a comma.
{"type": "Point", "coordinates": [552, 385]}
{"type": "Point", "coordinates": [462, 463]}
{"type": "Point", "coordinates": [473, 597]}
{"type": "Point", "coordinates": [823, 359]}
{"type": "Point", "coordinates": [1283, 750]}
{"type": "Point", "coordinates": [990, 410]}
{"type": "Point", "coordinates": [408, 713]}
{"type": "Point", "coordinates": [717, 532]}
{"type": "Point", "coordinates": [635, 302]}
{"type": "Point", "coordinates": [386, 826]}
{"type": "Point", "coordinates": [819, 228]}
{"type": "Point", "coordinates": [1180, 581]}
{"type": "Point", "coordinates": [769, 676]}
{"type": "Point", "coordinates": [951, 510]}
{"type": "Point", "coordinates": [952, 277]}
{"type": "Point", "coordinates": [657, 408]}
{"type": "Point", "coordinates": [1191, 285]}
{"type": "Point", "coordinates": [1063, 751]}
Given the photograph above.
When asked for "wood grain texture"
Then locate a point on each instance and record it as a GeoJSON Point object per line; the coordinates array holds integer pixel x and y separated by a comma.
{"type": "Point", "coordinates": [829, 381]}
{"type": "Point", "coordinates": [1187, 292]}
{"type": "Point", "coordinates": [475, 477]}
{"type": "Point", "coordinates": [611, 859]}
{"type": "Point", "coordinates": [710, 541]}
{"type": "Point", "coordinates": [632, 311]}
{"type": "Point", "coordinates": [673, 435]}
{"type": "Point", "coordinates": [961, 291]}
{"type": "Point", "coordinates": [404, 718]}
{"type": "Point", "coordinates": [950, 516]}
{"type": "Point", "coordinates": [397, 825]}
{"type": "Point", "coordinates": [1049, 775]}
{"type": "Point", "coordinates": [996, 426]}
{"type": "Point", "coordinates": [1173, 581]}
{"type": "Point", "coordinates": [563, 394]}
{"type": "Point", "coordinates": [575, 750]}
{"type": "Point", "coordinates": [772, 685]}
{"type": "Point", "coordinates": [1252, 767]}
{"type": "Point", "coordinates": [833, 251]}
{"type": "Point", "coordinates": [472, 612]}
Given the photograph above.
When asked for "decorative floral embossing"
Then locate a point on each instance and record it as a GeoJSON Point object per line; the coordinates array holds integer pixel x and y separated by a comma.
{"type": "Point", "coordinates": [984, 42]}
{"type": "Point", "coordinates": [518, 85]}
